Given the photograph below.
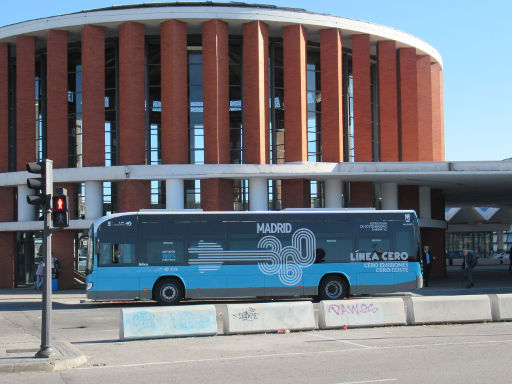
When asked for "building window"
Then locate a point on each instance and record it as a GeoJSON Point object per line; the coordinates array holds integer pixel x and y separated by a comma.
{"type": "Point", "coordinates": [348, 109]}
{"type": "Point", "coordinates": [40, 107]}
{"type": "Point", "coordinates": [317, 192]}
{"type": "Point", "coordinates": [12, 112]}
{"type": "Point", "coordinates": [235, 101]}
{"type": "Point", "coordinates": [111, 119]}
{"type": "Point", "coordinates": [75, 106]}
{"type": "Point", "coordinates": [241, 195]}
{"type": "Point", "coordinates": [314, 104]}
{"type": "Point", "coordinates": [195, 119]}
{"type": "Point", "coordinates": [111, 102]}
{"type": "Point", "coordinates": [277, 154]}
{"type": "Point", "coordinates": [154, 118]}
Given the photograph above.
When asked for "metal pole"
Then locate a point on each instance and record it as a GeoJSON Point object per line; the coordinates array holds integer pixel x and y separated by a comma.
{"type": "Point", "coordinates": [46, 350]}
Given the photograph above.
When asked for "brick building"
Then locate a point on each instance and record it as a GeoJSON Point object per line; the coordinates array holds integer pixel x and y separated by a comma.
{"type": "Point", "coordinates": [211, 106]}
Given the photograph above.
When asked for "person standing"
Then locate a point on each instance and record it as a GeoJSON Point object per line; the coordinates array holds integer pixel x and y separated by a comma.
{"type": "Point", "coordinates": [468, 265]}
{"type": "Point", "coordinates": [427, 264]}
{"type": "Point", "coordinates": [39, 274]}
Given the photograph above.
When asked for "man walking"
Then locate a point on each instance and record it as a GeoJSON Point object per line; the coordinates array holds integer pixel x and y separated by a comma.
{"type": "Point", "coordinates": [427, 264]}
{"type": "Point", "coordinates": [468, 265]}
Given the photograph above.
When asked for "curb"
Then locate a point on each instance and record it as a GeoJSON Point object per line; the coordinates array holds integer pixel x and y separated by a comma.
{"type": "Point", "coordinates": [68, 357]}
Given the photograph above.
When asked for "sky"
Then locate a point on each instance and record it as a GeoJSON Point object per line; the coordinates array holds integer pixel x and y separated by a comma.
{"type": "Point", "coordinates": [471, 36]}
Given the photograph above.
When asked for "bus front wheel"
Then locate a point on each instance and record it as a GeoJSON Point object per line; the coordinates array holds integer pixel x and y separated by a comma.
{"type": "Point", "coordinates": [333, 288]}
{"type": "Point", "coordinates": [168, 292]}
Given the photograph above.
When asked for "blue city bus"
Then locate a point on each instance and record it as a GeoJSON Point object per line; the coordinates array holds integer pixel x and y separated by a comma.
{"type": "Point", "coordinates": [171, 256]}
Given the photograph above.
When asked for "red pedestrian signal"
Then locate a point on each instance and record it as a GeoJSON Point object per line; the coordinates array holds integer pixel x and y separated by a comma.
{"type": "Point", "coordinates": [60, 214]}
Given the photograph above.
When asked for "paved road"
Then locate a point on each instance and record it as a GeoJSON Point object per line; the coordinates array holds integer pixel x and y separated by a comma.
{"type": "Point", "coordinates": [438, 354]}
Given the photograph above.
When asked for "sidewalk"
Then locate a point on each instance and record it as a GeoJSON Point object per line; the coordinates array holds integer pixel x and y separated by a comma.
{"type": "Point", "coordinates": [20, 340]}
{"type": "Point", "coordinates": [20, 335]}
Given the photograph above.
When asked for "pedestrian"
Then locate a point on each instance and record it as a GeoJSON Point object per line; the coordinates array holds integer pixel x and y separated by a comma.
{"type": "Point", "coordinates": [55, 267]}
{"type": "Point", "coordinates": [39, 274]}
{"type": "Point", "coordinates": [468, 265]}
{"type": "Point", "coordinates": [427, 259]}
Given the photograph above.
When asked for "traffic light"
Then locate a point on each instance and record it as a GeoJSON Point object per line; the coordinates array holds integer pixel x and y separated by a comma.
{"type": "Point", "coordinates": [60, 212]}
{"type": "Point", "coordinates": [43, 185]}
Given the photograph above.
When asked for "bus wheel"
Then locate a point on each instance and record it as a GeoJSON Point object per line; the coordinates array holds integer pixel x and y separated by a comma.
{"type": "Point", "coordinates": [333, 288]}
{"type": "Point", "coordinates": [168, 292]}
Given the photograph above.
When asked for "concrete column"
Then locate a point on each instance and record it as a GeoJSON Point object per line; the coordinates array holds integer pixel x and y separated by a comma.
{"type": "Point", "coordinates": [174, 194]}
{"type": "Point", "coordinates": [93, 199]}
{"type": "Point", "coordinates": [425, 203]}
{"type": "Point", "coordinates": [258, 195]}
{"type": "Point", "coordinates": [500, 239]}
{"type": "Point", "coordinates": [389, 193]}
{"type": "Point", "coordinates": [333, 193]}
{"type": "Point", "coordinates": [26, 211]}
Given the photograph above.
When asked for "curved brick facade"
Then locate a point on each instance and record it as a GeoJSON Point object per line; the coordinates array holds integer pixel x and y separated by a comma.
{"type": "Point", "coordinates": [339, 90]}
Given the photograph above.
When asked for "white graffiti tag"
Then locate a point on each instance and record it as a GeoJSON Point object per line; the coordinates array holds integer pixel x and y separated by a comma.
{"type": "Point", "coordinates": [272, 258]}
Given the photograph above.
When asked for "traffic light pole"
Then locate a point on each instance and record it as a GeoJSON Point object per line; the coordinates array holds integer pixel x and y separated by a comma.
{"type": "Point", "coordinates": [46, 349]}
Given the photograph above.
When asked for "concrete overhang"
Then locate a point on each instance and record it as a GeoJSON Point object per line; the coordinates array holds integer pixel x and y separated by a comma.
{"type": "Point", "coordinates": [467, 183]}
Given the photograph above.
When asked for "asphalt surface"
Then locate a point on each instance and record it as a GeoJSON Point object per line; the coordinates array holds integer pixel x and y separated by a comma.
{"type": "Point", "coordinates": [85, 337]}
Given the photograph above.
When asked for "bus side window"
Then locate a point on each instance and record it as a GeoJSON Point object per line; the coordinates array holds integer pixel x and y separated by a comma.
{"type": "Point", "coordinates": [335, 249]}
{"type": "Point", "coordinates": [112, 254]}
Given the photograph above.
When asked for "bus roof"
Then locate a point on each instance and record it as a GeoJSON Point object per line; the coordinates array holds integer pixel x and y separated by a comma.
{"type": "Point", "coordinates": [292, 211]}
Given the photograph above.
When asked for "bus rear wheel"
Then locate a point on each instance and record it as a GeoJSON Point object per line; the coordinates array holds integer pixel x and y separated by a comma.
{"type": "Point", "coordinates": [168, 292]}
{"type": "Point", "coordinates": [333, 288]}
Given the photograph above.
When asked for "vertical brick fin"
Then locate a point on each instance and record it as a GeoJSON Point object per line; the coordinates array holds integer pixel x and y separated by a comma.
{"type": "Point", "coordinates": [216, 92]}
{"type": "Point", "coordinates": [425, 134]}
{"type": "Point", "coordinates": [25, 97]}
{"type": "Point", "coordinates": [7, 239]}
{"type": "Point", "coordinates": [175, 145]}
{"type": "Point", "coordinates": [217, 194]}
{"type": "Point", "coordinates": [362, 98]}
{"type": "Point", "coordinates": [332, 95]}
{"type": "Point", "coordinates": [437, 111]}
{"type": "Point", "coordinates": [132, 116]}
{"type": "Point", "coordinates": [4, 108]}
{"type": "Point", "coordinates": [56, 97]}
{"type": "Point", "coordinates": [63, 249]}
{"type": "Point", "coordinates": [408, 99]}
{"type": "Point", "coordinates": [256, 93]}
{"type": "Point", "coordinates": [133, 195]}
{"type": "Point", "coordinates": [295, 111]}
{"type": "Point", "coordinates": [93, 95]}
{"type": "Point", "coordinates": [388, 106]}
{"type": "Point", "coordinates": [361, 195]}
{"type": "Point", "coordinates": [296, 193]}
{"type": "Point", "coordinates": [7, 257]}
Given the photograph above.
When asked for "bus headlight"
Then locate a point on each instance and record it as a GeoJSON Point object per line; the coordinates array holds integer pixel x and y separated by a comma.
{"type": "Point", "coordinates": [89, 286]}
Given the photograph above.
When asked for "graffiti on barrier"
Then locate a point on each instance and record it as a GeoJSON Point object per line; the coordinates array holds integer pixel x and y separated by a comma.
{"type": "Point", "coordinates": [353, 309]}
{"type": "Point", "coordinates": [249, 315]}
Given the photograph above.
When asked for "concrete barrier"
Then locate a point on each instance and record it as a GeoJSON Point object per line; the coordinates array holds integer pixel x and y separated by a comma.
{"type": "Point", "coordinates": [160, 322]}
{"type": "Point", "coordinates": [501, 307]}
{"type": "Point", "coordinates": [268, 317]}
{"type": "Point", "coordinates": [361, 313]}
{"type": "Point", "coordinates": [448, 309]}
